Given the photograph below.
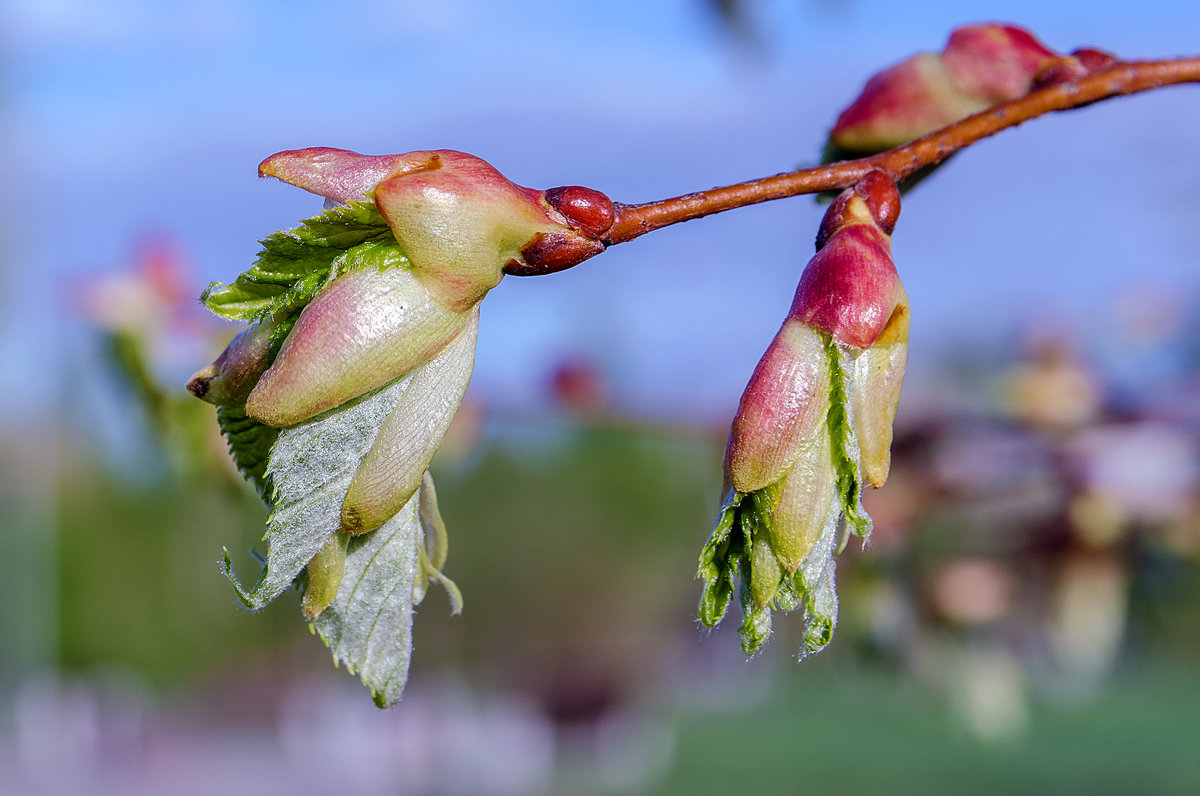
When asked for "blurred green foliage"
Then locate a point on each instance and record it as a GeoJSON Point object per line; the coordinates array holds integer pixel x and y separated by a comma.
{"type": "Point", "coordinates": [578, 546]}
{"type": "Point", "coordinates": [139, 585]}
{"type": "Point", "coordinates": [842, 729]}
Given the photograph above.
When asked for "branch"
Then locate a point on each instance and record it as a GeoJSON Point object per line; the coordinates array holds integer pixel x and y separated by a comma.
{"type": "Point", "coordinates": [1119, 79]}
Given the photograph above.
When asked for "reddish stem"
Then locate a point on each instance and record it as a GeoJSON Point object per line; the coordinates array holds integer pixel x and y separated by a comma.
{"type": "Point", "coordinates": [1122, 78]}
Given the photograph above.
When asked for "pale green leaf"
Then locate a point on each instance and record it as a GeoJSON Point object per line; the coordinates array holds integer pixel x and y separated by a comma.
{"type": "Point", "coordinates": [311, 467]}
{"type": "Point", "coordinates": [368, 626]}
{"type": "Point", "coordinates": [719, 561]}
{"type": "Point", "coordinates": [816, 583]}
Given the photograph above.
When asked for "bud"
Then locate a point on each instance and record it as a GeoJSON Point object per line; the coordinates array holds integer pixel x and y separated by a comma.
{"type": "Point", "coordinates": [229, 379]}
{"type": "Point", "coordinates": [814, 425]}
{"type": "Point", "coordinates": [365, 330]}
{"type": "Point", "coordinates": [783, 406]}
{"type": "Point", "coordinates": [981, 65]}
{"type": "Point", "coordinates": [324, 571]}
{"type": "Point", "coordinates": [459, 220]}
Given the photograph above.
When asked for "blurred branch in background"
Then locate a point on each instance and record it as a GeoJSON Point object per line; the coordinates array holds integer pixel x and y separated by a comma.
{"type": "Point", "coordinates": [147, 324]}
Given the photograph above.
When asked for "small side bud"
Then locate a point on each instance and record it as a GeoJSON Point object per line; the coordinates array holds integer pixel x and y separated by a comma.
{"type": "Point", "coordinates": [1094, 60]}
{"type": "Point", "coordinates": [586, 209]}
{"type": "Point", "coordinates": [229, 379]}
{"type": "Point", "coordinates": [325, 571]}
{"type": "Point", "coordinates": [553, 252]}
{"type": "Point", "coordinates": [882, 197]}
{"type": "Point", "coordinates": [1081, 63]}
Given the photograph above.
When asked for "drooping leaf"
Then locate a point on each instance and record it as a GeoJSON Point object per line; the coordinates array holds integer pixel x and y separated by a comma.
{"type": "Point", "coordinates": [294, 265]}
{"type": "Point", "coordinates": [434, 551]}
{"type": "Point", "coordinates": [368, 626]}
{"type": "Point", "coordinates": [311, 467]}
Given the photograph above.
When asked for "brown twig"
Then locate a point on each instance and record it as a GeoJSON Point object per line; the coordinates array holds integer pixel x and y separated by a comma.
{"type": "Point", "coordinates": [1119, 79]}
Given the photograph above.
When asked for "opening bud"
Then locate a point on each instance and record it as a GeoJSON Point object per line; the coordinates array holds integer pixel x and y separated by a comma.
{"type": "Point", "coordinates": [814, 426]}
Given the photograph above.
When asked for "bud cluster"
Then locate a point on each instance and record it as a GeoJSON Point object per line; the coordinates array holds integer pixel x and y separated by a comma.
{"type": "Point", "coordinates": [458, 226]}
{"type": "Point", "coordinates": [813, 427]}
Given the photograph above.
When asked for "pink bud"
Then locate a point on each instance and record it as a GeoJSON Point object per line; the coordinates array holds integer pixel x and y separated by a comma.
{"type": "Point", "coordinates": [786, 399]}
{"type": "Point", "coordinates": [902, 103]}
{"type": "Point", "coordinates": [367, 329]}
{"type": "Point", "coordinates": [994, 63]}
{"type": "Point", "coordinates": [850, 289]}
{"type": "Point", "coordinates": [980, 66]}
{"type": "Point", "coordinates": [814, 425]}
{"type": "Point", "coordinates": [339, 174]}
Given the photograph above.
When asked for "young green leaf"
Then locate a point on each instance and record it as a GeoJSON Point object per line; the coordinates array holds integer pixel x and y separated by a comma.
{"type": "Point", "coordinates": [846, 449]}
{"type": "Point", "coordinates": [294, 265]}
{"type": "Point", "coordinates": [249, 444]}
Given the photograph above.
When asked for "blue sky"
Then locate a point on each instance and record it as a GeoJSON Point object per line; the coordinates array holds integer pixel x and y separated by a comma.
{"type": "Point", "coordinates": [136, 117]}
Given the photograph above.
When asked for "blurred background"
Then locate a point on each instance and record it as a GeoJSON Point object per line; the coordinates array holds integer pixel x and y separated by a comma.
{"type": "Point", "coordinates": [1025, 617]}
